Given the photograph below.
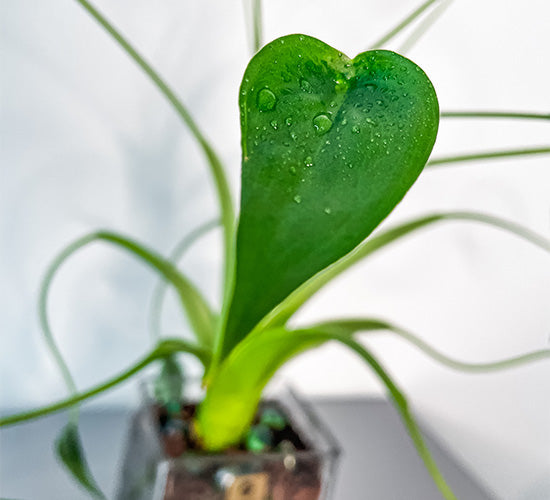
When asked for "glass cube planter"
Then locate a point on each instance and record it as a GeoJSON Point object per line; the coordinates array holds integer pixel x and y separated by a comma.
{"type": "Point", "coordinates": [295, 473]}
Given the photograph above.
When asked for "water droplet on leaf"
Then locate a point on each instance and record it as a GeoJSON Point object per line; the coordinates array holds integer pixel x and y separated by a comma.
{"type": "Point", "coordinates": [266, 100]}
{"type": "Point", "coordinates": [306, 86]}
{"type": "Point", "coordinates": [322, 124]}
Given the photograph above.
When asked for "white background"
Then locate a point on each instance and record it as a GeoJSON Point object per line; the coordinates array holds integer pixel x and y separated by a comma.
{"type": "Point", "coordinates": [87, 143]}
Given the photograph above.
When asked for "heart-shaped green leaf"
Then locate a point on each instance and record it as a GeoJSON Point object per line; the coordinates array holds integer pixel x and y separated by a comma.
{"type": "Point", "coordinates": [330, 146]}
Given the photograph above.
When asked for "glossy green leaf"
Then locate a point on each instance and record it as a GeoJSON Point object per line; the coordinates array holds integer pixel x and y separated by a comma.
{"type": "Point", "coordinates": [69, 450]}
{"type": "Point", "coordinates": [232, 397]}
{"type": "Point", "coordinates": [330, 146]}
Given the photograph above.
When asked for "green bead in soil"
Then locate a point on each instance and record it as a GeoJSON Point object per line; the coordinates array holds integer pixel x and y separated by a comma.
{"type": "Point", "coordinates": [259, 438]}
{"type": "Point", "coordinates": [273, 418]}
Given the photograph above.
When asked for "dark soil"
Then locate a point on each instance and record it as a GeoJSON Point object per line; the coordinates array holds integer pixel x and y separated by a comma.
{"type": "Point", "coordinates": [237, 474]}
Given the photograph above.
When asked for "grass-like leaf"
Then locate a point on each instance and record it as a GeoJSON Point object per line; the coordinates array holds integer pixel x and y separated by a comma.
{"type": "Point", "coordinates": [157, 299]}
{"type": "Point", "coordinates": [495, 115]}
{"type": "Point", "coordinates": [487, 155]}
{"type": "Point", "coordinates": [220, 180]}
{"type": "Point", "coordinates": [294, 301]}
{"type": "Point", "coordinates": [330, 146]}
{"type": "Point", "coordinates": [234, 392]}
{"type": "Point", "coordinates": [164, 349]}
{"type": "Point", "coordinates": [415, 14]}
{"type": "Point", "coordinates": [70, 452]}
{"type": "Point", "coordinates": [254, 23]}
{"type": "Point", "coordinates": [427, 22]}
{"type": "Point", "coordinates": [200, 316]}
{"type": "Point", "coordinates": [352, 326]}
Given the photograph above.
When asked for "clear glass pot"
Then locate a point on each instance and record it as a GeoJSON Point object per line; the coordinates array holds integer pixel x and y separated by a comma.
{"type": "Point", "coordinates": [149, 473]}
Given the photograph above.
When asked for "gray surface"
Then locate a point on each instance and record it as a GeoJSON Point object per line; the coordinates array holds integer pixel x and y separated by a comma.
{"type": "Point", "coordinates": [378, 460]}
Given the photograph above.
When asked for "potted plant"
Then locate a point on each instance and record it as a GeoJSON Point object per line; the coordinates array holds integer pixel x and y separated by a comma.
{"type": "Point", "coordinates": [330, 145]}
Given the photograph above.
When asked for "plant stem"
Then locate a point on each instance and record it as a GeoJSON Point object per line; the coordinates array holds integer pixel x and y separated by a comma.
{"type": "Point", "coordinates": [488, 155]}
{"type": "Point", "coordinates": [217, 170]}
{"type": "Point", "coordinates": [494, 114]}
{"type": "Point", "coordinates": [402, 25]}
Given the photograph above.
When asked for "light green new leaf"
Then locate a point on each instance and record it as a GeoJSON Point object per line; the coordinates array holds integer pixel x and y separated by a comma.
{"type": "Point", "coordinates": [330, 146]}
{"type": "Point", "coordinates": [234, 392]}
{"type": "Point", "coordinates": [70, 452]}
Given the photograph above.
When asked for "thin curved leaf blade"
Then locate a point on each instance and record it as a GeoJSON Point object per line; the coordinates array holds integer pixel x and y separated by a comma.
{"type": "Point", "coordinates": [69, 450]}
{"type": "Point", "coordinates": [351, 327]}
{"type": "Point", "coordinates": [302, 294]}
{"type": "Point", "coordinates": [330, 146]}
{"type": "Point", "coordinates": [201, 318]}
